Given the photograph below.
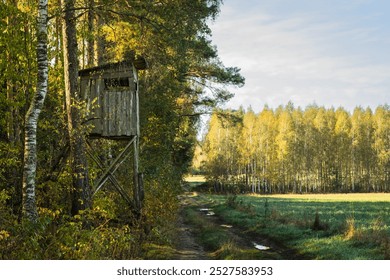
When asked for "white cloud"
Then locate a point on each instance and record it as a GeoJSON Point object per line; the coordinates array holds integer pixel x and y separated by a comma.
{"type": "Point", "coordinates": [304, 58]}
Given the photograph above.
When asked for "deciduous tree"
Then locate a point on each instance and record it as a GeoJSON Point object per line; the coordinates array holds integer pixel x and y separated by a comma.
{"type": "Point", "coordinates": [30, 148]}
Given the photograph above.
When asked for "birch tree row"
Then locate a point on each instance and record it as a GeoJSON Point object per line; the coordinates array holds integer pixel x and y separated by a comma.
{"type": "Point", "coordinates": [315, 150]}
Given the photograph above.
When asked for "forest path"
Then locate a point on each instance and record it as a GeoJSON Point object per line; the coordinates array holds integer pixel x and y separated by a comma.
{"type": "Point", "coordinates": [187, 247]}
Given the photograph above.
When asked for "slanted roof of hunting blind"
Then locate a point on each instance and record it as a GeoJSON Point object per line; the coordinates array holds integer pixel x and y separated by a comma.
{"type": "Point", "coordinates": [111, 93]}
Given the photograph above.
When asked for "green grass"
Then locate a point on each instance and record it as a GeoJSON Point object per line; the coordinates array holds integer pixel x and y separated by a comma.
{"type": "Point", "coordinates": [339, 226]}
{"type": "Point", "coordinates": [195, 179]}
{"type": "Point", "coordinates": [158, 252]}
{"type": "Point", "coordinates": [208, 235]}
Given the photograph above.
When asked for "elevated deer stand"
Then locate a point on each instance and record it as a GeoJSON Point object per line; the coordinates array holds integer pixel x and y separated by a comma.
{"type": "Point", "coordinates": [111, 94]}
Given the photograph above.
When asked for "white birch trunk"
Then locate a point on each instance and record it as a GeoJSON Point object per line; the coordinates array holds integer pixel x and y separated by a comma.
{"type": "Point", "coordinates": [30, 144]}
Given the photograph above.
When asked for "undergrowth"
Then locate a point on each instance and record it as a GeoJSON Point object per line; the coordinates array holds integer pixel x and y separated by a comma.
{"type": "Point", "coordinates": [105, 232]}
{"type": "Point", "coordinates": [57, 236]}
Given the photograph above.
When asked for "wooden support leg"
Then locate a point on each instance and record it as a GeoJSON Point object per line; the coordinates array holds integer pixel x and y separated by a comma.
{"type": "Point", "coordinates": [112, 168]}
{"type": "Point", "coordinates": [136, 192]}
{"type": "Point", "coordinates": [112, 179]}
{"type": "Point", "coordinates": [108, 173]}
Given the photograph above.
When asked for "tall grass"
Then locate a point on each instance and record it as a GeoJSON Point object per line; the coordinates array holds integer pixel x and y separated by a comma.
{"type": "Point", "coordinates": [351, 226]}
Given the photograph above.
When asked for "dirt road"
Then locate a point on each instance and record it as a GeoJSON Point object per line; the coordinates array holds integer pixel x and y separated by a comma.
{"type": "Point", "coordinates": [188, 249]}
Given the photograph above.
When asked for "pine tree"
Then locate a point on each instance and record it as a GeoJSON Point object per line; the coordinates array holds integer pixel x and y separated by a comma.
{"type": "Point", "coordinates": [81, 192]}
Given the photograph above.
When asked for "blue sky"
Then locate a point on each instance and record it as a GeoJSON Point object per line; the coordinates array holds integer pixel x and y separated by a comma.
{"type": "Point", "coordinates": [328, 52]}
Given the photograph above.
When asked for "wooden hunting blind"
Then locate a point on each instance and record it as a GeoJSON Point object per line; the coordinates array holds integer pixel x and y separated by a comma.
{"type": "Point", "coordinates": [111, 94]}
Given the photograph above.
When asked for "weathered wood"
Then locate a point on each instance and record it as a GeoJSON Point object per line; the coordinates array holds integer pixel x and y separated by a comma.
{"type": "Point", "coordinates": [116, 116]}
{"type": "Point", "coordinates": [136, 190]}
{"type": "Point", "coordinates": [113, 167]}
{"type": "Point", "coordinates": [113, 87]}
{"type": "Point", "coordinates": [110, 177]}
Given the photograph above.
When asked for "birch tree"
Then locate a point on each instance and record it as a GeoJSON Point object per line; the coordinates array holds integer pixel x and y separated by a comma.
{"type": "Point", "coordinates": [30, 146]}
{"type": "Point", "coordinates": [381, 145]}
{"type": "Point", "coordinates": [342, 149]}
{"type": "Point", "coordinates": [247, 148]}
{"type": "Point", "coordinates": [315, 150]}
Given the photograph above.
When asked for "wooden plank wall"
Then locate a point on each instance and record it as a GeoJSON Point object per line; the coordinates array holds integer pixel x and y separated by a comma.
{"type": "Point", "coordinates": [119, 113]}
{"type": "Point", "coordinates": [113, 111]}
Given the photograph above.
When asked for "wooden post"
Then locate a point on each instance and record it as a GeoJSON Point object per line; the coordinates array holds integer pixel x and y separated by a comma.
{"type": "Point", "coordinates": [138, 181]}
{"type": "Point", "coordinates": [136, 194]}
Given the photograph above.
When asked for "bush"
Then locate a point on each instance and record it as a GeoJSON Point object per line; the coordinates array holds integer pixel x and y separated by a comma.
{"type": "Point", "coordinates": [93, 234]}
{"type": "Point", "coordinates": [318, 224]}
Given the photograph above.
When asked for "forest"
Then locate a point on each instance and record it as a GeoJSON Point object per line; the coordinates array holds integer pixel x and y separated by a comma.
{"type": "Point", "coordinates": [47, 210]}
{"type": "Point", "coordinates": [51, 207]}
{"type": "Point", "coordinates": [294, 150]}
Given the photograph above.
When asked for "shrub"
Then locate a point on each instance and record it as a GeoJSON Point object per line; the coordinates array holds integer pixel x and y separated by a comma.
{"type": "Point", "coordinates": [350, 231]}
{"type": "Point", "coordinates": [318, 224]}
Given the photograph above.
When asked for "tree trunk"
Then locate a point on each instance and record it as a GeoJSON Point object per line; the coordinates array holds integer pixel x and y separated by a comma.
{"type": "Point", "coordinates": [30, 144]}
{"type": "Point", "coordinates": [91, 35]}
{"type": "Point", "coordinates": [100, 44]}
{"type": "Point", "coordinates": [81, 192]}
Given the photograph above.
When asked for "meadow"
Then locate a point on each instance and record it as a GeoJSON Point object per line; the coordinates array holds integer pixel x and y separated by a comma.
{"type": "Point", "coordinates": [315, 226]}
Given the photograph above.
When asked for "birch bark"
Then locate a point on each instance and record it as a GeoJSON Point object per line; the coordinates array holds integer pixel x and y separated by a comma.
{"type": "Point", "coordinates": [30, 142]}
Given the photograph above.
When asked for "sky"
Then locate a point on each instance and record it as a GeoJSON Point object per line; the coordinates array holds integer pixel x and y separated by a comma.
{"type": "Point", "coordinates": [327, 52]}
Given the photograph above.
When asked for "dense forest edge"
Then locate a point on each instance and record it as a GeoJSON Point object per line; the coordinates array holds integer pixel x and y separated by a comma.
{"type": "Point", "coordinates": [294, 150]}
{"type": "Point", "coordinates": [46, 174]}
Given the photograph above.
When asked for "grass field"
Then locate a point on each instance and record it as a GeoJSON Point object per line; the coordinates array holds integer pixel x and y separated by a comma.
{"type": "Point", "coordinates": [343, 197]}
{"type": "Point", "coordinates": [324, 226]}
{"type": "Point", "coordinates": [194, 179]}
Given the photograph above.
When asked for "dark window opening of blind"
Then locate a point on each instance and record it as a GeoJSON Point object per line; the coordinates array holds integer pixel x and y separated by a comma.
{"type": "Point", "coordinates": [116, 83]}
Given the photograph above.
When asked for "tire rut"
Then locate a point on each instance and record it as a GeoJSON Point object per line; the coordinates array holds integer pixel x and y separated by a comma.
{"type": "Point", "coordinates": [185, 244]}
{"type": "Point", "coordinates": [188, 249]}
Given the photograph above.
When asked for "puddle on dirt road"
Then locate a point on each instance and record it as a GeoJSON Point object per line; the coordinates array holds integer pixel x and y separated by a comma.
{"type": "Point", "coordinates": [260, 247]}
{"type": "Point", "coordinates": [226, 226]}
{"type": "Point", "coordinates": [207, 211]}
